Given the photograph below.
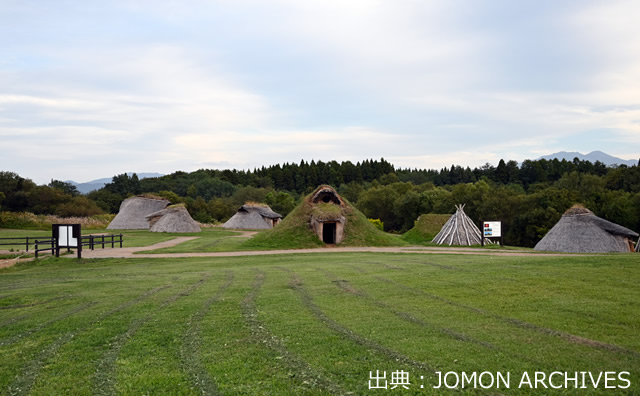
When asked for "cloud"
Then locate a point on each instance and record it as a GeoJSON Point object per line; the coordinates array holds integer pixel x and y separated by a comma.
{"type": "Point", "coordinates": [168, 93]}
{"type": "Point", "coordinates": [247, 150]}
{"type": "Point", "coordinates": [163, 86]}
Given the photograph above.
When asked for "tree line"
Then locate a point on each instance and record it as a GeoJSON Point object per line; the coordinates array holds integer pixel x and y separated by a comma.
{"type": "Point", "coordinates": [529, 198]}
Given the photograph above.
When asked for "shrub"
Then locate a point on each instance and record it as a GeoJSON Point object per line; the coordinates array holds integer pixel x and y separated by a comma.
{"type": "Point", "coordinates": [377, 223]}
{"type": "Point", "coordinates": [78, 207]}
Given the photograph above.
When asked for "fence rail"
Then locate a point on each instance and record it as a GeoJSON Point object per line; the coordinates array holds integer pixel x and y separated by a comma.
{"type": "Point", "coordinates": [50, 242]}
{"type": "Point", "coordinates": [101, 240]}
{"type": "Point", "coordinates": [23, 241]}
{"type": "Point", "coordinates": [90, 241]}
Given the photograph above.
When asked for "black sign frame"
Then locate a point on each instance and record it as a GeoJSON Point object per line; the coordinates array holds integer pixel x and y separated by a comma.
{"type": "Point", "coordinates": [71, 231]}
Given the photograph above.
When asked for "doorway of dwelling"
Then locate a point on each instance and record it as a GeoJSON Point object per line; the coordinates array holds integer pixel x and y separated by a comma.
{"type": "Point", "coordinates": [329, 233]}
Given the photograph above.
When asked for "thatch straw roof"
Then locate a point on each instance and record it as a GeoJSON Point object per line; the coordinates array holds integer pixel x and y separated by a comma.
{"type": "Point", "coordinates": [133, 212]}
{"type": "Point", "coordinates": [459, 230]}
{"type": "Point", "coordinates": [581, 231]}
{"type": "Point", "coordinates": [252, 217]}
{"type": "Point", "coordinates": [172, 219]}
{"type": "Point", "coordinates": [327, 194]}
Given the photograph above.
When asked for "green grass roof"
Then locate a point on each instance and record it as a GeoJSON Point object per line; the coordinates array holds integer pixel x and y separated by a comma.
{"type": "Point", "coordinates": [294, 232]}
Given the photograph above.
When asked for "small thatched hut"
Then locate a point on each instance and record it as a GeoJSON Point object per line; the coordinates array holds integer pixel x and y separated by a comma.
{"type": "Point", "coordinates": [172, 219]}
{"type": "Point", "coordinates": [581, 231]}
{"type": "Point", "coordinates": [459, 230]}
{"type": "Point", "coordinates": [253, 217]}
{"type": "Point", "coordinates": [133, 212]}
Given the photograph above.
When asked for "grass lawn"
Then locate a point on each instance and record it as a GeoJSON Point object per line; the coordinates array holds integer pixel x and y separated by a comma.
{"type": "Point", "coordinates": [209, 240]}
{"type": "Point", "coordinates": [132, 238]}
{"type": "Point", "coordinates": [313, 324]}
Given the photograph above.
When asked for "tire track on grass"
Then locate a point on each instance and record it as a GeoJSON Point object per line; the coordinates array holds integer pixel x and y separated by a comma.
{"type": "Point", "coordinates": [446, 268]}
{"type": "Point", "coordinates": [297, 285]}
{"type": "Point", "coordinates": [27, 333]}
{"type": "Point", "coordinates": [13, 320]}
{"type": "Point", "coordinates": [190, 351]}
{"type": "Point", "coordinates": [16, 306]}
{"type": "Point", "coordinates": [104, 377]}
{"type": "Point", "coordinates": [345, 286]}
{"type": "Point", "coordinates": [425, 263]}
{"type": "Point", "coordinates": [24, 381]}
{"type": "Point", "coordinates": [513, 321]}
{"type": "Point", "coordinates": [263, 337]}
{"type": "Point", "coordinates": [31, 284]}
{"type": "Point", "coordinates": [442, 266]}
{"type": "Point", "coordinates": [386, 265]}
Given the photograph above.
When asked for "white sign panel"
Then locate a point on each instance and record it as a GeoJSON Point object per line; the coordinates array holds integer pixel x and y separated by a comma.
{"type": "Point", "coordinates": [492, 229]}
{"type": "Point", "coordinates": [65, 236]}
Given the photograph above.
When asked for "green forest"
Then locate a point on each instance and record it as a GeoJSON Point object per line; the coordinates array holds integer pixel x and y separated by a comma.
{"type": "Point", "coordinates": [528, 198]}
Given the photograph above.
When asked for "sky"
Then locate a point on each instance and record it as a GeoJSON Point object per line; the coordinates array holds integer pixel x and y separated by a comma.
{"type": "Point", "coordinates": [91, 89]}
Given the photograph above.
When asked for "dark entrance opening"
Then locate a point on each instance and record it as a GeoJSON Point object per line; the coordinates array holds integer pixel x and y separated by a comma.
{"type": "Point", "coordinates": [329, 233]}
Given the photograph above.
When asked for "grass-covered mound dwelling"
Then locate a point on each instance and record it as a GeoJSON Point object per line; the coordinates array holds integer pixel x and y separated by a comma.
{"type": "Point", "coordinates": [323, 218]}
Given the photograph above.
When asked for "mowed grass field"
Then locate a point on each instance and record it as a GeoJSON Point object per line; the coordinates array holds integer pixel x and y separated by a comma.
{"type": "Point", "coordinates": [314, 323]}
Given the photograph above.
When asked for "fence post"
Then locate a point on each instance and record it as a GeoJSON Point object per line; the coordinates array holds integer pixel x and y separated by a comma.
{"type": "Point", "coordinates": [27, 244]}
{"type": "Point", "coordinates": [103, 241]}
{"type": "Point", "coordinates": [91, 242]}
{"type": "Point", "coordinates": [36, 246]}
{"type": "Point", "coordinates": [120, 240]}
{"type": "Point", "coordinates": [112, 241]}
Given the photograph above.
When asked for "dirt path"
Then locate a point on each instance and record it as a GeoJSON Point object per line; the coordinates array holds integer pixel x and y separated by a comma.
{"type": "Point", "coordinates": [4, 263]}
{"type": "Point", "coordinates": [244, 234]}
{"type": "Point", "coordinates": [129, 251]}
{"type": "Point", "coordinates": [138, 252]}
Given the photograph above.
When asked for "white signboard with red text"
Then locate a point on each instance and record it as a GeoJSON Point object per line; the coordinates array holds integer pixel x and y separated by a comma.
{"type": "Point", "coordinates": [492, 229]}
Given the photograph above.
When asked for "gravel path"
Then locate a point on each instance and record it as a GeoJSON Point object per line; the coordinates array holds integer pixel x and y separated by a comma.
{"type": "Point", "coordinates": [138, 252]}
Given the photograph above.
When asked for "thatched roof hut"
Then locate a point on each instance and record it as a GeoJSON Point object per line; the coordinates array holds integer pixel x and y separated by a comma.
{"type": "Point", "coordinates": [459, 230]}
{"type": "Point", "coordinates": [581, 231]}
{"type": "Point", "coordinates": [133, 212]}
{"type": "Point", "coordinates": [172, 219]}
{"type": "Point", "coordinates": [253, 217]}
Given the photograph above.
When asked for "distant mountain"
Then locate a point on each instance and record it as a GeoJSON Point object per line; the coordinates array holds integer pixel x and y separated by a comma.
{"type": "Point", "coordinates": [591, 157]}
{"type": "Point", "coordinates": [99, 183]}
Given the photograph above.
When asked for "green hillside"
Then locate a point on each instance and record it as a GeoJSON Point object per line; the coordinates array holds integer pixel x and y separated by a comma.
{"type": "Point", "coordinates": [425, 228]}
{"type": "Point", "coordinates": [294, 232]}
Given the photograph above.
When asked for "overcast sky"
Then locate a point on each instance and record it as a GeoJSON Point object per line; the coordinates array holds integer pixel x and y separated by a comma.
{"type": "Point", "coordinates": [90, 89]}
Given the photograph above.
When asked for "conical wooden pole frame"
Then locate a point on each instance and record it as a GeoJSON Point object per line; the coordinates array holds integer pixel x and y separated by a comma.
{"type": "Point", "coordinates": [459, 230]}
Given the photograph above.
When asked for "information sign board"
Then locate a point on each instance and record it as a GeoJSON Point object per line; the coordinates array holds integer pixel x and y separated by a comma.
{"type": "Point", "coordinates": [492, 229]}
{"type": "Point", "coordinates": [67, 236]}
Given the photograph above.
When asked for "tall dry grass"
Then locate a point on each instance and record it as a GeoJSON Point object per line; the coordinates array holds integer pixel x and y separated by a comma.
{"type": "Point", "coordinates": [34, 221]}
